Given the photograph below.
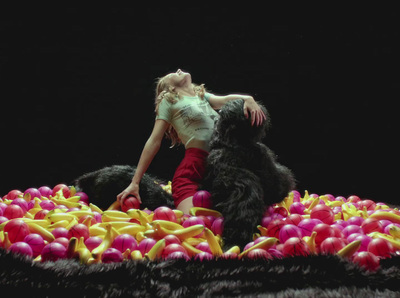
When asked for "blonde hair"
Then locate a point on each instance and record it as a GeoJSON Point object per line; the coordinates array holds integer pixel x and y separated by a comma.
{"type": "Point", "coordinates": [167, 92]}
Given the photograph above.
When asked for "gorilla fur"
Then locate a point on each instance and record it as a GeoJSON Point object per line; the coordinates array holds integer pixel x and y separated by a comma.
{"type": "Point", "coordinates": [242, 174]}
{"type": "Point", "coordinates": [103, 186]}
{"type": "Point", "coordinates": [311, 276]}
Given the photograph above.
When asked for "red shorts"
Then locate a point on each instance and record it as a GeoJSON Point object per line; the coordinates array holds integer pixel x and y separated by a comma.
{"type": "Point", "coordinates": [189, 174]}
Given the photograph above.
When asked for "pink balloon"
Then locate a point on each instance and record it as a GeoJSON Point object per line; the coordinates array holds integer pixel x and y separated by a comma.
{"type": "Point", "coordinates": [111, 255]}
{"type": "Point", "coordinates": [217, 226]}
{"type": "Point", "coordinates": [53, 252]}
{"type": "Point", "coordinates": [33, 193]}
{"type": "Point", "coordinates": [45, 191]}
{"type": "Point", "coordinates": [21, 203]}
{"type": "Point", "coordinates": [93, 242]}
{"type": "Point", "coordinates": [204, 256]}
{"type": "Point", "coordinates": [307, 226]}
{"type": "Point", "coordinates": [83, 197]}
{"type": "Point", "coordinates": [351, 229]}
{"type": "Point", "coordinates": [202, 198]}
{"type": "Point", "coordinates": [145, 245]}
{"type": "Point", "coordinates": [297, 208]}
{"type": "Point", "coordinates": [125, 241]}
{"type": "Point", "coordinates": [365, 240]}
{"type": "Point", "coordinates": [36, 242]}
{"type": "Point", "coordinates": [289, 231]}
{"type": "Point", "coordinates": [21, 248]}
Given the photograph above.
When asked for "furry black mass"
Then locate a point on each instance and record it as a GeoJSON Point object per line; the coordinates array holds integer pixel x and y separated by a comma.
{"type": "Point", "coordinates": [103, 186]}
{"type": "Point", "coordinates": [243, 174]}
{"type": "Point", "coordinates": [313, 276]}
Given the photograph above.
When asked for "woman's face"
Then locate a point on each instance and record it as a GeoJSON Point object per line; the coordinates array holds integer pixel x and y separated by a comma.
{"type": "Point", "coordinates": [178, 78]}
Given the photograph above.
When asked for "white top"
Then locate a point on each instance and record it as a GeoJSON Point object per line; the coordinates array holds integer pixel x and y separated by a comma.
{"type": "Point", "coordinates": [192, 118]}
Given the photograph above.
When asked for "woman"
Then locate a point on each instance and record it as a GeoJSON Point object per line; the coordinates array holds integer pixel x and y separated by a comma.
{"type": "Point", "coordinates": [185, 113]}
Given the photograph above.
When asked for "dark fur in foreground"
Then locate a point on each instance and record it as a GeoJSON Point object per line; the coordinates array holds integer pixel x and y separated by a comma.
{"type": "Point", "coordinates": [103, 186]}
{"type": "Point", "coordinates": [312, 276]}
{"type": "Point", "coordinates": [243, 174]}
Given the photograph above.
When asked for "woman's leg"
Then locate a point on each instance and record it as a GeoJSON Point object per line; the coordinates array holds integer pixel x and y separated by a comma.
{"type": "Point", "coordinates": [185, 205]}
{"type": "Point", "coordinates": [187, 177]}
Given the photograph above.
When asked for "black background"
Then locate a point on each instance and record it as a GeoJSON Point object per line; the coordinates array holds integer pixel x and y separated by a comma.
{"type": "Point", "coordinates": [78, 88]}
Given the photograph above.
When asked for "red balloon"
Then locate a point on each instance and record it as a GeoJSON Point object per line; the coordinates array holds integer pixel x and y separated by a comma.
{"type": "Point", "coordinates": [21, 203]}
{"type": "Point", "coordinates": [323, 213]}
{"type": "Point", "coordinates": [289, 231]}
{"type": "Point", "coordinates": [17, 230]}
{"type": "Point", "coordinates": [164, 213]}
{"type": "Point", "coordinates": [204, 246]}
{"type": "Point", "coordinates": [65, 190]}
{"type": "Point", "coordinates": [130, 203]}
{"type": "Point", "coordinates": [206, 220]}
{"type": "Point", "coordinates": [274, 227]}
{"type": "Point", "coordinates": [369, 204]}
{"type": "Point", "coordinates": [41, 214]}
{"type": "Point", "coordinates": [371, 225]}
{"type": "Point", "coordinates": [295, 247]}
{"type": "Point", "coordinates": [171, 248]}
{"type": "Point", "coordinates": [202, 256]}
{"type": "Point", "coordinates": [79, 230]}
{"type": "Point", "coordinates": [13, 194]}
{"type": "Point", "coordinates": [13, 211]}
{"type": "Point", "coordinates": [294, 219]}
{"type": "Point", "coordinates": [353, 199]}
{"type": "Point", "coordinates": [282, 211]}
{"type": "Point", "coordinates": [170, 239]}
{"type": "Point", "coordinates": [367, 260]}
{"type": "Point", "coordinates": [258, 253]}
{"type": "Point", "coordinates": [380, 247]}
{"type": "Point", "coordinates": [331, 245]}
{"type": "Point", "coordinates": [62, 240]}
{"type": "Point", "coordinates": [92, 220]}
{"type": "Point", "coordinates": [323, 231]}
{"type": "Point", "coordinates": [178, 255]}
{"type": "Point", "coordinates": [229, 255]}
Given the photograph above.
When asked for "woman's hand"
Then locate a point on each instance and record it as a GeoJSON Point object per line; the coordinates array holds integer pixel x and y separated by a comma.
{"type": "Point", "coordinates": [252, 108]}
{"type": "Point", "coordinates": [132, 189]}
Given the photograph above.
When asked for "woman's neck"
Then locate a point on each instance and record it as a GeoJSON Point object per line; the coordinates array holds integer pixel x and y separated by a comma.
{"type": "Point", "coordinates": [186, 90]}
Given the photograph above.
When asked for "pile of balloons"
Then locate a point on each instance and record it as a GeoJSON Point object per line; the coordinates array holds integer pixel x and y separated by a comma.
{"type": "Point", "coordinates": [360, 230]}
{"type": "Point", "coordinates": [48, 224]}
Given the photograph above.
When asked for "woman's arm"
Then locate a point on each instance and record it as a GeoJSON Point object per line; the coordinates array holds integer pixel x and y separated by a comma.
{"type": "Point", "coordinates": [149, 151]}
{"type": "Point", "coordinates": [250, 106]}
